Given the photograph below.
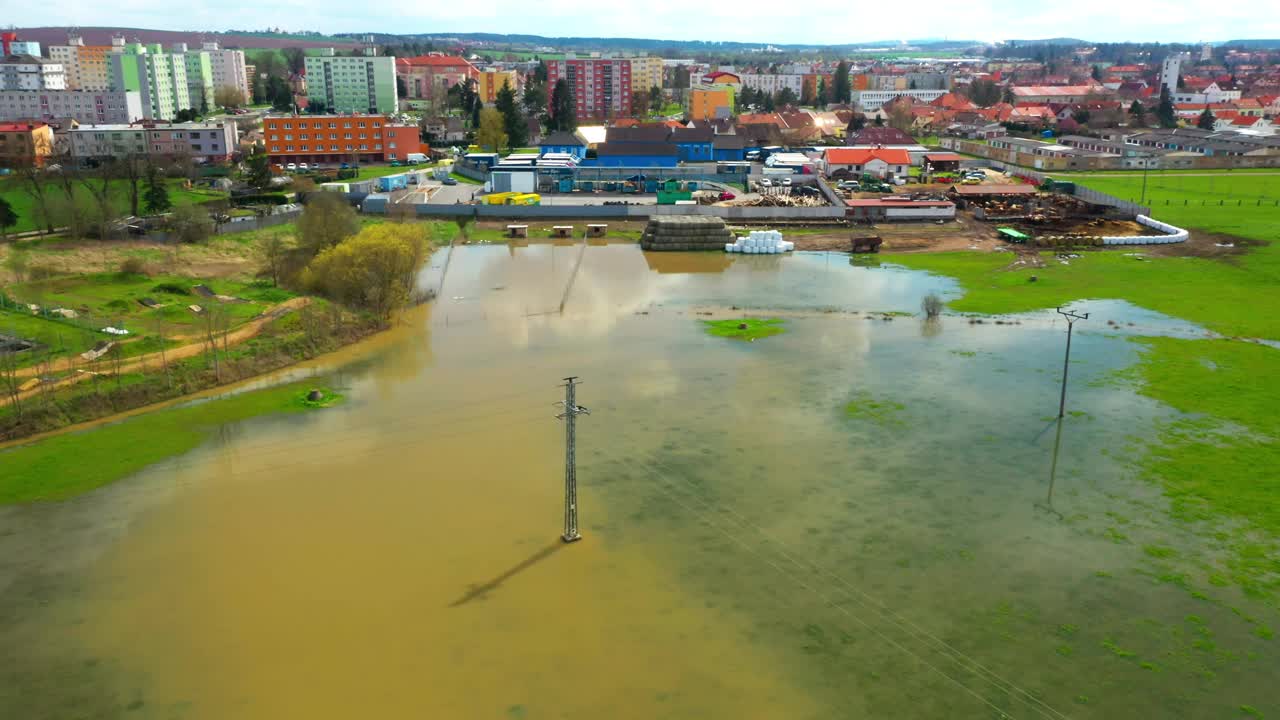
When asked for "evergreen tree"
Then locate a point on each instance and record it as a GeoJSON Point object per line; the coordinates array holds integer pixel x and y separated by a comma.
{"type": "Point", "coordinates": [1164, 112]}
{"type": "Point", "coordinates": [513, 121]}
{"type": "Point", "coordinates": [843, 91]}
{"type": "Point", "coordinates": [8, 217]}
{"type": "Point", "coordinates": [258, 174]}
{"type": "Point", "coordinates": [1137, 115]}
{"type": "Point", "coordinates": [156, 196]}
{"type": "Point", "coordinates": [655, 100]}
{"type": "Point", "coordinates": [1096, 74]}
{"type": "Point", "coordinates": [823, 97]}
{"type": "Point", "coordinates": [563, 115]}
{"type": "Point", "coordinates": [1206, 120]}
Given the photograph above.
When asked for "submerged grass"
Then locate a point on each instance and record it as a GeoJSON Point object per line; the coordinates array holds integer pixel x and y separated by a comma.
{"type": "Point", "coordinates": [748, 329]}
{"type": "Point", "coordinates": [866, 406]}
{"type": "Point", "coordinates": [66, 465]}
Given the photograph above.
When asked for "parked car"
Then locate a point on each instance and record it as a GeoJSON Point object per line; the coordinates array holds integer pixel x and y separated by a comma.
{"type": "Point", "coordinates": [449, 181]}
{"type": "Point", "coordinates": [727, 196]}
{"type": "Point", "coordinates": [302, 167]}
{"type": "Point", "coordinates": [766, 182]}
{"type": "Point", "coordinates": [786, 182]}
{"type": "Point", "coordinates": [971, 181]}
{"type": "Point", "coordinates": [291, 167]}
{"type": "Point", "coordinates": [395, 163]}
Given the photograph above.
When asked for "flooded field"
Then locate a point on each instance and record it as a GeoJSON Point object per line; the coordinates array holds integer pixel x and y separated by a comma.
{"type": "Point", "coordinates": [862, 517]}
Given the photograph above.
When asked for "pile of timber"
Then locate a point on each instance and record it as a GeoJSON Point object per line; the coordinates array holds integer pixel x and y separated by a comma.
{"type": "Point", "coordinates": [784, 200]}
{"type": "Point", "coordinates": [685, 232]}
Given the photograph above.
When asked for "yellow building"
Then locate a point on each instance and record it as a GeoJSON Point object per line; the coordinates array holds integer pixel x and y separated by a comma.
{"type": "Point", "coordinates": [489, 82]}
{"type": "Point", "coordinates": [703, 103]}
{"type": "Point", "coordinates": [646, 72]}
{"type": "Point", "coordinates": [25, 144]}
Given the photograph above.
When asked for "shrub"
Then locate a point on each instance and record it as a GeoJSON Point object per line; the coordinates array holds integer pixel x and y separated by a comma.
{"type": "Point", "coordinates": [133, 266]}
{"type": "Point", "coordinates": [932, 305]}
{"type": "Point", "coordinates": [172, 289]}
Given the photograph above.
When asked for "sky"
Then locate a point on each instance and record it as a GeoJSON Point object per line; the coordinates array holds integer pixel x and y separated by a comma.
{"type": "Point", "coordinates": [753, 21]}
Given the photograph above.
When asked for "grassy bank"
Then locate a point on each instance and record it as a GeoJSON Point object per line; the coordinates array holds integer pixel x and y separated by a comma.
{"type": "Point", "coordinates": [1214, 463]}
{"type": "Point", "coordinates": [67, 465]}
{"type": "Point", "coordinates": [12, 190]}
{"type": "Point", "coordinates": [748, 329]}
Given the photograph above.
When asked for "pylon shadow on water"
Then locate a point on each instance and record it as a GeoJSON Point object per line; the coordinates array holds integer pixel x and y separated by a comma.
{"type": "Point", "coordinates": [1047, 505]}
{"type": "Point", "coordinates": [478, 592]}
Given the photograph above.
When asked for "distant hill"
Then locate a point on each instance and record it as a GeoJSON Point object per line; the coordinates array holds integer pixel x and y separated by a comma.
{"type": "Point", "coordinates": [1259, 44]}
{"type": "Point", "coordinates": [653, 45]}
{"type": "Point", "coordinates": [47, 36]}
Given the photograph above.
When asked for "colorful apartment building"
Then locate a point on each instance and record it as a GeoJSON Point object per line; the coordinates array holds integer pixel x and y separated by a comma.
{"type": "Point", "coordinates": [601, 87]}
{"type": "Point", "coordinates": [83, 106]}
{"type": "Point", "coordinates": [205, 142]}
{"type": "Point", "coordinates": [199, 71]}
{"type": "Point", "coordinates": [489, 82]}
{"type": "Point", "coordinates": [365, 84]}
{"type": "Point", "coordinates": [427, 77]}
{"type": "Point", "coordinates": [338, 138]}
{"type": "Point", "coordinates": [86, 66]}
{"type": "Point", "coordinates": [151, 72]}
{"type": "Point", "coordinates": [706, 104]}
{"type": "Point", "coordinates": [25, 143]}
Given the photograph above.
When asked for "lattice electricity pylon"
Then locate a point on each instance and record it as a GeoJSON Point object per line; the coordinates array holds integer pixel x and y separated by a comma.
{"type": "Point", "coordinates": [571, 411]}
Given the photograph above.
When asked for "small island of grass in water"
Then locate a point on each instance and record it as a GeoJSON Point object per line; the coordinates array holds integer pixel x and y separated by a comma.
{"type": "Point", "coordinates": [866, 406]}
{"type": "Point", "coordinates": [748, 329]}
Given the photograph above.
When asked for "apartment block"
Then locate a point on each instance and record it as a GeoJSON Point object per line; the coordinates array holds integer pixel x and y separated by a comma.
{"type": "Point", "coordinates": [337, 138]}
{"type": "Point", "coordinates": [706, 103]}
{"type": "Point", "coordinates": [199, 71]}
{"type": "Point", "coordinates": [11, 45]}
{"type": "Point", "coordinates": [428, 77]}
{"type": "Point", "coordinates": [211, 142]}
{"type": "Point", "coordinates": [167, 82]}
{"type": "Point", "coordinates": [773, 83]}
{"type": "Point", "coordinates": [25, 143]}
{"type": "Point", "coordinates": [27, 72]}
{"type": "Point", "coordinates": [646, 72]}
{"type": "Point", "coordinates": [87, 66]}
{"type": "Point", "coordinates": [601, 87]}
{"type": "Point", "coordinates": [228, 68]}
{"type": "Point", "coordinates": [83, 106]}
{"type": "Point", "coordinates": [352, 84]}
{"type": "Point", "coordinates": [489, 82]}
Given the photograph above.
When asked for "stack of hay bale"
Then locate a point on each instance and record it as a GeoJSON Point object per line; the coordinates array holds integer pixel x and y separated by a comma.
{"type": "Point", "coordinates": [685, 232]}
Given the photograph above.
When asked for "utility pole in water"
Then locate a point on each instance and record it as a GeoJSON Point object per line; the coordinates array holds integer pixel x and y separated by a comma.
{"type": "Point", "coordinates": [1066, 363]}
{"type": "Point", "coordinates": [571, 411]}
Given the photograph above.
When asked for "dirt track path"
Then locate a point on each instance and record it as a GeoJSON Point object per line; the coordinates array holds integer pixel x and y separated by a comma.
{"type": "Point", "coordinates": [235, 337]}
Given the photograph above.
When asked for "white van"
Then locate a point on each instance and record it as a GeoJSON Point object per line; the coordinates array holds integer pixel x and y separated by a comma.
{"type": "Point", "coordinates": [415, 158]}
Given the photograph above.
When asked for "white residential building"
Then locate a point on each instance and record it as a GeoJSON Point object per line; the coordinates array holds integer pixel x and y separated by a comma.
{"type": "Point", "coordinates": [1171, 69]}
{"type": "Point", "coordinates": [199, 141]}
{"type": "Point", "coordinates": [26, 72]}
{"type": "Point", "coordinates": [871, 100]}
{"type": "Point", "coordinates": [82, 106]}
{"type": "Point", "coordinates": [773, 83]}
{"type": "Point", "coordinates": [87, 66]}
{"type": "Point", "coordinates": [24, 47]}
{"type": "Point", "coordinates": [228, 69]}
{"type": "Point", "coordinates": [1212, 94]}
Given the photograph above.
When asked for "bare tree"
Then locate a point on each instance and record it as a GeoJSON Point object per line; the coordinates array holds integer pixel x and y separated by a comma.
{"type": "Point", "coordinates": [34, 182]}
{"type": "Point", "coordinates": [275, 250]}
{"type": "Point", "coordinates": [133, 171]}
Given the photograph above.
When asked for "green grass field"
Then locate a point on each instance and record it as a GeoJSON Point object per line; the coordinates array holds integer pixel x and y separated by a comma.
{"type": "Point", "coordinates": [13, 192]}
{"type": "Point", "coordinates": [1206, 473]}
{"type": "Point", "coordinates": [70, 464]}
{"type": "Point", "coordinates": [112, 299]}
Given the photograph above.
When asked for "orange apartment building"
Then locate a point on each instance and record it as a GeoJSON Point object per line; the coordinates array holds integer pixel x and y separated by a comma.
{"type": "Point", "coordinates": [338, 139]}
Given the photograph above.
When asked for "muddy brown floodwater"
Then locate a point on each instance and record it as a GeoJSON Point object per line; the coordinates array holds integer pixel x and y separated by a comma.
{"type": "Point", "coordinates": [853, 519]}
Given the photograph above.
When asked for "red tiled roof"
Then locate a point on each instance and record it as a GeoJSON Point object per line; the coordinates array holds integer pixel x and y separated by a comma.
{"type": "Point", "coordinates": [942, 157]}
{"type": "Point", "coordinates": [861, 156]}
{"type": "Point", "coordinates": [433, 61]}
{"type": "Point", "coordinates": [20, 126]}
{"type": "Point", "coordinates": [1033, 90]}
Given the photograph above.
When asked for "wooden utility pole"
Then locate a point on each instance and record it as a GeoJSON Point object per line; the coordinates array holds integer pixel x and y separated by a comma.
{"type": "Point", "coordinates": [1066, 363]}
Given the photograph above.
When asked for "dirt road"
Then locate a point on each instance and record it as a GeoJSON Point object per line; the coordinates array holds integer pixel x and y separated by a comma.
{"type": "Point", "coordinates": [235, 337]}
